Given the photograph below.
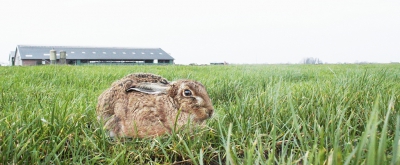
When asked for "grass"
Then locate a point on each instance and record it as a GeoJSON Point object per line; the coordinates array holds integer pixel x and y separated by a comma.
{"type": "Point", "coordinates": [265, 114]}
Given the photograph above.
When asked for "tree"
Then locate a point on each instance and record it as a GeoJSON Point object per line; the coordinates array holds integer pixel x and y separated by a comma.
{"type": "Point", "coordinates": [311, 60]}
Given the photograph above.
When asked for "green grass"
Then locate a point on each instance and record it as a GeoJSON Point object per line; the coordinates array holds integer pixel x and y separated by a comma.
{"type": "Point", "coordinates": [265, 114]}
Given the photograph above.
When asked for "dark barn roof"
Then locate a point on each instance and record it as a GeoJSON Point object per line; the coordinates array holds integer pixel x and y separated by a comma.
{"type": "Point", "coordinates": [93, 53]}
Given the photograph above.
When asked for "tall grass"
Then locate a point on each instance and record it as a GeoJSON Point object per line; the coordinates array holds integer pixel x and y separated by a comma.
{"type": "Point", "coordinates": [265, 114]}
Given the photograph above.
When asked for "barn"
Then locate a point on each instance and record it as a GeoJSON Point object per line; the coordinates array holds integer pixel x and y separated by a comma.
{"type": "Point", "coordinates": [75, 55]}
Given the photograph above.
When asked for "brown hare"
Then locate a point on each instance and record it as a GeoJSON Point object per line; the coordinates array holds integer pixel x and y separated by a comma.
{"type": "Point", "coordinates": [147, 105]}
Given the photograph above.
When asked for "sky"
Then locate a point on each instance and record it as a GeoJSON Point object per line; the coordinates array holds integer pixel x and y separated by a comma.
{"type": "Point", "coordinates": [240, 32]}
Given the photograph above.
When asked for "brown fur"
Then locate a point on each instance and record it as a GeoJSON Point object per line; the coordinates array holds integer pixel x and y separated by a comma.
{"type": "Point", "coordinates": [140, 114]}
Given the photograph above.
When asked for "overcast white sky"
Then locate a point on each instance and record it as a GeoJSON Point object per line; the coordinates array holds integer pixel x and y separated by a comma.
{"type": "Point", "coordinates": [251, 31]}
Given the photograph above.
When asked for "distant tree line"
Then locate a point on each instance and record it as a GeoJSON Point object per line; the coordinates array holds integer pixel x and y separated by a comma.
{"type": "Point", "coordinates": [311, 60]}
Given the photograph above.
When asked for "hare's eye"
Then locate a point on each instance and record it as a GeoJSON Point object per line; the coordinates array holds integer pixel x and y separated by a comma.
{"type": "Point", "coordinates": [187, 92]}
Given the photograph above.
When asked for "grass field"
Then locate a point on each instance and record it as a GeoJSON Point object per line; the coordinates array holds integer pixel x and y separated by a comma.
{"type": "Point", "coordinates": [265, 114]}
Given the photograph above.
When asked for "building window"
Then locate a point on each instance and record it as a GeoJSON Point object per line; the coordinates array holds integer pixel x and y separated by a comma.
{"type": "Point", "coordinates": [72, 52]}
{"type": "Point", "coordinates": [151, 53]}
{"type": "Point", "coordinates": [142, 52]}
{"type": "Point", "coordinates": [83, 52]}
{"type": "Point", "coordinates": [28, 55]}
{"type": "Point", "coordinates": [160, 53]}
{"type": "Point", "coordinates": [133, 53]}
{"type": "Point", "coordinates": [104, 53]}
{"type": "Point", "coordinates": [94, 52]}
{"type": "Point", "coordinates": [114, 53]}
{"type": "Point", "coordinates": [123, 53]}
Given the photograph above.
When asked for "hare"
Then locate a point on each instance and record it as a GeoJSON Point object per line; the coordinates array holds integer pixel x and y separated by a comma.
{"type": "Point", "coordinates": [147, 105]}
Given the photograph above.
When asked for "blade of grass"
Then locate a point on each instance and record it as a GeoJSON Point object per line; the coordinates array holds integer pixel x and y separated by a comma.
{"type": "Point", "coordinates": [383, 138]}
{"type": "Point", "coordinates": [55, 149]}
{"type": "Point", "coordinates": [229, 159]}
{"type": "Point", "coordinates": [396, 141]}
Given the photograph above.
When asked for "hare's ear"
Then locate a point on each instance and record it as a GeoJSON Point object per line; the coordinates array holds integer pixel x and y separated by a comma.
{"type": "Point", "coordinates": [149, 88]}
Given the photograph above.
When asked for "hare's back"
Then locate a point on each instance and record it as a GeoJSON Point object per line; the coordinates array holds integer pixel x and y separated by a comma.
{"type": "Point", "coordinates": [145, 77]}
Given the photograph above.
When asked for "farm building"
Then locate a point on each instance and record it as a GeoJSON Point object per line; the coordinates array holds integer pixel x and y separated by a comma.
{"type": "Point", "coordinates": [38, 55]}
{"type": "Point", "coordinates": [11, 58]}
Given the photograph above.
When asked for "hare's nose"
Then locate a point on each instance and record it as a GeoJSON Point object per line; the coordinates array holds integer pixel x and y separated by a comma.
{"type": "Point", "coordinates": [210, 112]}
